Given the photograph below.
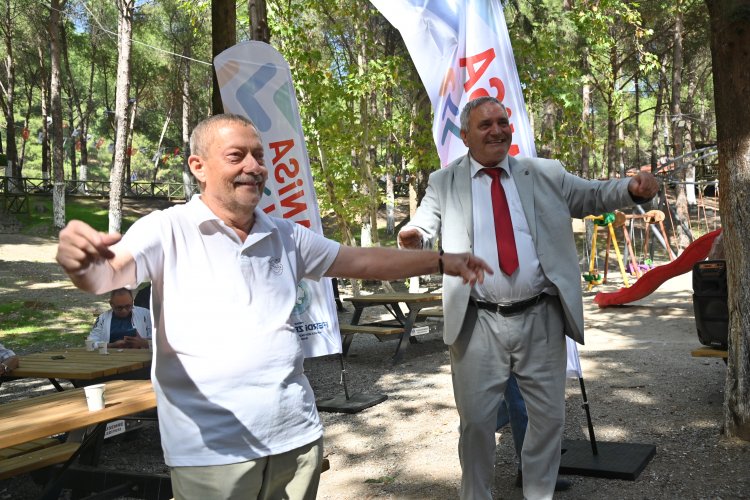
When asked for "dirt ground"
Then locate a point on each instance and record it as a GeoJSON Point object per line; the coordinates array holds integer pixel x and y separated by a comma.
{"type": "Point", "coordinates": [642, 384]}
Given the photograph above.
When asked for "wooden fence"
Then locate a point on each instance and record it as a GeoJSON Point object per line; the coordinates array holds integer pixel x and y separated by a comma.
{"type": "Point", "coordinates": [14, 192]}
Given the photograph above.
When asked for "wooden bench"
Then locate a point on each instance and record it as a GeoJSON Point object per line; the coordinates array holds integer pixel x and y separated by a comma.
{"type": "Point", "coordinates": [348, 332]}
{"type": "Point", "coordinates": [430, 312]}
{"type": "Point", "coordinates": [709, 352]}
{"type": "Point", "coordinates": [33, 455]}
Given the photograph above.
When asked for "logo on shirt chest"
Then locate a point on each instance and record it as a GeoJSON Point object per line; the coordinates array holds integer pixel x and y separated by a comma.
{"type": "Point", "coordinates": [275, 265]}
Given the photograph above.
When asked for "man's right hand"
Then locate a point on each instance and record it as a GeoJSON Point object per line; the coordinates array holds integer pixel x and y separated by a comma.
{"type": "Point", "coordinates": [410, 238]}
{"type": "Point", "coordinates": [81, 245]}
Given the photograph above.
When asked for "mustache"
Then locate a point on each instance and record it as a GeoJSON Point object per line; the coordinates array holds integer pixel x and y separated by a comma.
{"type": "Point", "coordinates": [249, 178]}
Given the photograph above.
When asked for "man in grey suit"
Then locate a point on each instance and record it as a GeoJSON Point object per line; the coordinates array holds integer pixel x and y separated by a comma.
{"type": "Point", "coordinates": [516, 321]}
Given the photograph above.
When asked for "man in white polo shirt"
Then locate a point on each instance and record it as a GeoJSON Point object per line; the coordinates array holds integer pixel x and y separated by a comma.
{"type": "Point", "coordinates": [237, 414]}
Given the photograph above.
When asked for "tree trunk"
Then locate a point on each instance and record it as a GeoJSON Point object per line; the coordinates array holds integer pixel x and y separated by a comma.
{"type": "Point", "coordinates": [365, 156]}
{"type": "Point", "coordinates": [585, 117]}
{"type": "Point", "coordinates": [24, 137]}
{"type": "Point", "coordinates": [188, 182]}
{"type": "Point", "coordinates": [256, 10]}
{"type": "Point", "coordinates": [637, 134]}
{"type": "Point", "coordinates": [658, 111]}
{"type": "Point", "coordinates": [612, 113]}
{"type": "Point", "coordinates": [621, 149]}
{"type": "Point", "coordinates": [689, 141]}
{"type": "Point", "coordinates": [58, 174]}
{"type": "Point", "coordinates": [223, 36]}
{"type": "Point", "coordinates": [72, 139]}
{"type": "Point", "coordinates": [128, 178]}
{"type": "Point", "coordinates": [85, 122]}
{"type": "Point", "coordinates": [678, 124]}
{"type": "Point", "coordinates": [730, 38]}
{"type": "Point", "coordinates": [11, 153]}
{"type": "Point", "coordinates": [124, 32]}
{"type": "Point", "coordinates": [548, 129]}
{"type": "Point", "coordinates": [611, 137]}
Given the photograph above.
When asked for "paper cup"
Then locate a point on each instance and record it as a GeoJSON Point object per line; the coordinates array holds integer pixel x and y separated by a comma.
{"type": "Point", "coordinates": [103, 348]}
{"type": "Point", "coordinates": [95, 397]}
{"type": "Point", "coordinates": [90, 345]}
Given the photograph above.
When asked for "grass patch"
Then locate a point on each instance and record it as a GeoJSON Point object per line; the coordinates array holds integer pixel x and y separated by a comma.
{"type": "Point", "coordinates": [92, 211]}
{"type": "Point", "coordinates": [32, 326]}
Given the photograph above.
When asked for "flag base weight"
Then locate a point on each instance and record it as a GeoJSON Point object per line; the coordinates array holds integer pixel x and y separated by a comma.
{"type": "Point", "coordinates": [354, 404]}
{"type": "Point", "coordinates": [612, 461]}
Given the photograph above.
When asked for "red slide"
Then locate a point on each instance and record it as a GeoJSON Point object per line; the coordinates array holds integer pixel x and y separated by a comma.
{"type": "Point", "coordinates": [650, 281]}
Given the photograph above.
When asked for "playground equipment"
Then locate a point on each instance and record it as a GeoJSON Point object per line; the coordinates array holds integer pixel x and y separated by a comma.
{"type": "Point", "coordinates": [649, 218]}
{"type": "Point", "coordinates": [611, 220]}
{"type": "Point", "coordinates": [696, 251]}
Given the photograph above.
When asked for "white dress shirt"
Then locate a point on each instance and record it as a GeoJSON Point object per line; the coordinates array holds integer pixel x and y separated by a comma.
{"type": "Point", "coordinates": [529, 279]}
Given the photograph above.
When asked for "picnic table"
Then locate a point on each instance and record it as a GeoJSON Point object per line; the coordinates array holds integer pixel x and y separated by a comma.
{"type": "Point", "coordinates": [33, 420]}
{"type": "Point", "coordinates": [83, 367]}
{"type": "Point", "coordinates": [404, 326]}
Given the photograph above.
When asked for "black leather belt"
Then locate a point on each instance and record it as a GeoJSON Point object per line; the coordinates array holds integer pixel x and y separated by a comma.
{"type": "Point", "coordinates": [508, 308]}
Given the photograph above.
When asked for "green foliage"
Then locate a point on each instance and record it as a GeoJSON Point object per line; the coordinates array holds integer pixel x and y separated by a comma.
{"type": "Point", "coordinates": [360, 97]}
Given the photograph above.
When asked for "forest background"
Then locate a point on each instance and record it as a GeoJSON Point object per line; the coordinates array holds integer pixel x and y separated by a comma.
{"type": "Point", "coordinates": [609, 85]}
{"type": "Point", "coordinates": [100, 90]}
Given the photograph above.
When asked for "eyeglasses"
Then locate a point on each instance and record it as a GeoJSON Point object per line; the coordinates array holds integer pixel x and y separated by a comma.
{"type": "Point", "coordinates": [126, 307]}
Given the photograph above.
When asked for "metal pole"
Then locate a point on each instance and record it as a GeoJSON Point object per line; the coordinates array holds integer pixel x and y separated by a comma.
{"type": "Point", "coordinates": [343, 376]}
{"type": "Point", "coordinates": [585, 406]}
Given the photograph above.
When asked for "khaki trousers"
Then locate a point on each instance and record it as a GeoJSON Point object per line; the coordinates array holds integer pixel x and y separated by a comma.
{"type": "Point", "coordinates": [293, 475]}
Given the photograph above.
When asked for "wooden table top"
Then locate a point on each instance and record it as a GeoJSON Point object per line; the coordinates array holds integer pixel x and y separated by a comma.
{"type": "Point", "coordinates": [41, 416]}
{"type": "Point", "coordinates": [80, 364]}
{"type": "Point", "coordinates": [389, 298]}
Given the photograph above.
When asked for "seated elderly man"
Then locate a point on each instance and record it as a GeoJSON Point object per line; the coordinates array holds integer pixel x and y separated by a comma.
{"type": "Point", "coordinates": [8, 360]}
{"type": "Point", "coordinates": [125, 325]}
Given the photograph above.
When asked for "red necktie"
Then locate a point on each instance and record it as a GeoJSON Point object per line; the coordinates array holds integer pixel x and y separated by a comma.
{"type": "Point", "coordinates": [506, 242]}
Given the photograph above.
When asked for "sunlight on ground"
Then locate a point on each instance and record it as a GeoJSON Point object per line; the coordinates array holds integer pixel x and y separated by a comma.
{"type": "Point", "coordinates": [30, 253]}
{"type": "Point", "coordinates": [45, 286]}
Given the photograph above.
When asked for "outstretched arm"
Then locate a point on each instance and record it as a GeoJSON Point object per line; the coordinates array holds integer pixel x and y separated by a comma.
{"type": "Point", "coordinates": [92, 259]}
{"type": "Point", "coordinates": [390, 264]}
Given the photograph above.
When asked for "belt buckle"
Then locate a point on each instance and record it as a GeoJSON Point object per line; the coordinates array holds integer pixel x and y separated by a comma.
{"type": "Point", "coordinates": [504, 307]}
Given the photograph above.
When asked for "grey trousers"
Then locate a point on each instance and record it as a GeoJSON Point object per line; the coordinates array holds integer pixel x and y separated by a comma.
{"type": "Point", "coordinates": [531, 345]}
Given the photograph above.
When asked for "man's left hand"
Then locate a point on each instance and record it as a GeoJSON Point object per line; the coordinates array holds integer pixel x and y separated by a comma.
{"type": "Point", "coordinates": [643, 185]}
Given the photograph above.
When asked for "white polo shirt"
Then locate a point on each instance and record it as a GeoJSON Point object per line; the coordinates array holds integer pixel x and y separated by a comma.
{"type": "Point", "coordinates": [228, 366]}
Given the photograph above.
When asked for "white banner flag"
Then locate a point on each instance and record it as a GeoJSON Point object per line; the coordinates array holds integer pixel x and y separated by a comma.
{"type": "Point", "coordinates": [461, 49]}
{"type": "Point", "coordinates": [255, 82]}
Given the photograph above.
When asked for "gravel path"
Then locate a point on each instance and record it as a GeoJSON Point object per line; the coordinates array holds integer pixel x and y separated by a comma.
{"type": "Point", "coordinates": [642, 384]}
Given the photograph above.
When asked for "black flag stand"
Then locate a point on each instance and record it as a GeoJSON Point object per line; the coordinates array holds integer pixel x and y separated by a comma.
{"type": "Point", "coordinates": [348, 403]}
{"type": "Point", "coordinates": [603, 459]}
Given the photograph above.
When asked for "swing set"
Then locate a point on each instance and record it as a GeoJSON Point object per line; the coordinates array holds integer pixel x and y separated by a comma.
{"type": "Point", "coordinates": [644, 223]}
{"type": "Point", "coordinates": [612, 220]}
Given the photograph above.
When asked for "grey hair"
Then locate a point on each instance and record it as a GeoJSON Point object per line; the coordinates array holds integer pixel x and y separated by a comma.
{"type": "Point", "coordinates": [202, 131]}
{"type": "Point", "coordinates": [120, 291]}
{"type": "Point", "coordinates": [473, 104]}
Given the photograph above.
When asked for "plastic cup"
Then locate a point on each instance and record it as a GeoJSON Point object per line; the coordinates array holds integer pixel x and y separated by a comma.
{"type": "Point", "coordinates": [103, 348]}
{"type": "Point", "coordinates": [94, 396]}
{"type": "Point", "coordinates": [90, 345]}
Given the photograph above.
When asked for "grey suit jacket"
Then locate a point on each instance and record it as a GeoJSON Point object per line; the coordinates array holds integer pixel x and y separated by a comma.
{"type": "Point", "coordinates": [550, 197]}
